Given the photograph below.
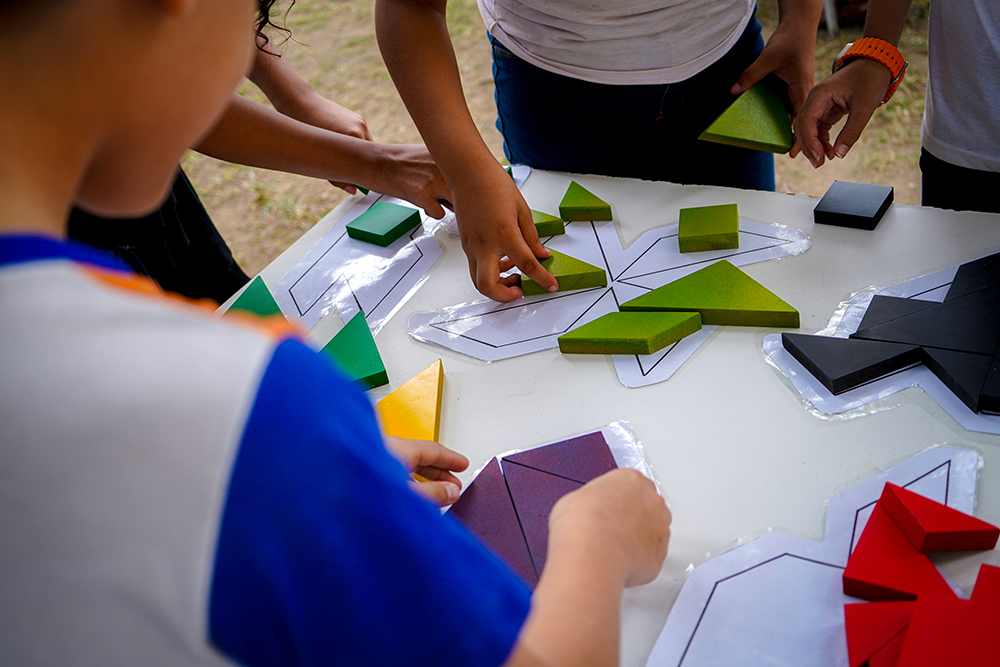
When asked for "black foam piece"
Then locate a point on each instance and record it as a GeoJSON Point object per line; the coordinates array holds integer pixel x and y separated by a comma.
{"type": "Point", "coordinates": [974, 276]}
{"type": "Point", "coordinates": [884, 309]}
{"type": "Point", "coordinates": [844, 363]}
{"type": "Point", "coordinates": [855, 205]}
{"type": "Point", "coordinates": [989, 396]}
{"type": "Point", "coordinates": [963, 373]}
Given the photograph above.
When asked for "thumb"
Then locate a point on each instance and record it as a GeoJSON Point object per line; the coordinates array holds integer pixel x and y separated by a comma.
{"type": "Point", "coordinates": [441, 494]}
{"type": "Point", "coordinates": [758, 70]}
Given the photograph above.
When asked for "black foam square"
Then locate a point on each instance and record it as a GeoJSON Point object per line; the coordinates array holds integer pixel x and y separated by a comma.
{"type": "Point", "coordinates": [854, 205]}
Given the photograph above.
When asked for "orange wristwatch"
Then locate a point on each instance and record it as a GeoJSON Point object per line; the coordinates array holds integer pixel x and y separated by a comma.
{"type": "Point", "coordinates": [880, 51]}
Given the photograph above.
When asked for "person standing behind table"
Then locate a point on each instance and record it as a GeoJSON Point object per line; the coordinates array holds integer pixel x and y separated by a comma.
{"type": "Point", "coordinates": [615, 88]}
{"type": "Point", "coordinates": [960, 156]}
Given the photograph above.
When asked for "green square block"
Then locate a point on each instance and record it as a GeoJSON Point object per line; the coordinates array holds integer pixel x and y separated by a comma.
{"type": "Point", "coordinates": [709, 228]}
{"type": "Point", "coordinates": [760, 119]}
{"type": "Point", "coordinates": [256, 298]}
{"type": "Point", "coordinates": [570, 273]}
{"type": "Point", "coordinates": [629, 333]}
{"type": "Point", "coordinates": [354, 350]}
{"type": "Point", "coordinates": [547, 225]}
{"type": "Point", "coordinates": [579, 203]}
{"type": "Point", "coordinates": [383, 223]}
{"type": "Point", "coordinates": [723, 295]}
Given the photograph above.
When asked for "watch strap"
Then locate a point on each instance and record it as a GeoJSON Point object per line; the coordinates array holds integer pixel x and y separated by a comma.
{"type": "Point", "coordinates": [881, 52]}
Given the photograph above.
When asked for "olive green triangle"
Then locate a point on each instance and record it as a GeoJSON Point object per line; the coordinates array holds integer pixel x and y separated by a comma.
{"type": "Point", "coordinates": [723, 295]}
{"type": "Point", "coordinates": [257, 299]}
{"type": "Point", "coordinates": [547, 225]}
{"type": "Point", "coordinates": [570, 272]}
{"type": "Point", "coordinates": [759, 119]}
{"type": "Point", "coordinates": [354, 350]}
{"type": "Point", "coordinates": [579, 203]}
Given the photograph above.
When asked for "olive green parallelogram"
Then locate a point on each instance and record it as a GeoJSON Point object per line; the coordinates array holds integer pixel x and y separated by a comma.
{"type": "Point", "coordinates": [709, 228]}
{"type": "Point", "coordinates": [354, 350]}
{"type": "Point", "coordinates": [569, 272]}
{"type": "Point", "coordinates": [759, 119]}
{"type": "Point", "coordinates": [547, 225]}
{"type": "Point", "coordinates": [383, 223]}
{"type": "Point", "coordinates": [579, 203]}
{"type": "Point", "coordinates": [629, 333]}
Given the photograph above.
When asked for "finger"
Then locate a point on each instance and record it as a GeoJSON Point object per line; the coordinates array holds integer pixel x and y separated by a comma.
{"type": "Point", "coordinates": [758, 69]}
{"type": "Point", "coordinates": [513, 280]}
{"type": "Point", "coordinates": [531, 267]}
{"type": "Point", "coordinates": [807, 128]}
{"type": "Point", "coordinates": [430, 454]}
{"type": "Point", "coordinates": [486, 278]}
{"type": "Point", "coordinates": [853, 128]}
{"type": "Point", "coordinates": [346, 187]}
{"type": "Point", "coordinates": [432, 207]}
{"type": "Point", "coordinates": [441, 494]}
{"type": "Point", "coordinates": [437, 475]}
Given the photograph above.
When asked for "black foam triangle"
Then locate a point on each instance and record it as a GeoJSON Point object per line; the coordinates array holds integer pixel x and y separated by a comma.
{"type": "Point", "coordinates": [844, 363]}
{"type": "Point", "coordinates": [963, 373]}
{"type": "Point", "coordinates": [974, 276]}
{"type": "Point", "coordinates": [884, 309]}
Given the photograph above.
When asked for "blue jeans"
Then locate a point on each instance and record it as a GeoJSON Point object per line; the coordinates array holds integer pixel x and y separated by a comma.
{"type": "Point", "coordinates": [555, 122]}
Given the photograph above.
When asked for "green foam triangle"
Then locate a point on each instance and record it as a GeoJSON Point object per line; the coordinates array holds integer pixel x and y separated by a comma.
{"type": "Point", "coordinates": [723, 295]}
{"type": "Point", "coordinates": [256, 298]}
{"type": "Point", "coordinates": [547, 225]}
{"type": "Point", "coordinates": [759, 119]}
{"type": "Point", "coordinates": [354, 350]}
{"type": "Point", "coordinates": [570, 272]}
{"type": "Point", "coordinates": [629, 333]}
{"type": "Point", "coordinates": [579, 203]}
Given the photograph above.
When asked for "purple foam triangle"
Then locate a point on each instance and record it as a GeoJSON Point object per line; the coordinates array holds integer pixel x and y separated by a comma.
{"type": "Point", "coordinates": [535, 493]}
{"type": "Point", "coordinates": [580, 459]}
{"type": "Point", "coordinates": [486, 509]}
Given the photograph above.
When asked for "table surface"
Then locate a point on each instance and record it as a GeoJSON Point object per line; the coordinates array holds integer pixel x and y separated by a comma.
{"type": "Point", "coordinates": [737, 451]}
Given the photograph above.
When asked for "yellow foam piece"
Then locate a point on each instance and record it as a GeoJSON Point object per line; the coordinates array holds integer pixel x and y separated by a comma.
{"type": "Point", "coordinates": [413, 410]}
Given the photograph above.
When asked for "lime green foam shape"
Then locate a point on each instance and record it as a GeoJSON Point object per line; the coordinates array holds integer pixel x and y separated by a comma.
{"type": "Point", "coordinates": [547, 225]}
{"type": "Point", "coordinates": [570, 272]}
{"type": "Point", "coordinates": [629, 333]}
{"type": "Point", "coordinates": [383, 223]}
{"type": "Point", "coordinates": [723, 295]}
{"type": "Point", "coordinates": [354, 350]}
{"type": "Point", "coordinates": [256, 298]}
{"type": "Point", "coordinates": [709, 228]}
{"type": "Point", "coordinates": [759, 119]}
{"type": "Point", "coordinates": [579, 203]}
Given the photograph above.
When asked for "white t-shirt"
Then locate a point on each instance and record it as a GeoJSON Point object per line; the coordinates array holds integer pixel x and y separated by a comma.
{"type": "Point", "coordinates": [962, 119]}
{"type": "Point", "coordinates": [623, 43]}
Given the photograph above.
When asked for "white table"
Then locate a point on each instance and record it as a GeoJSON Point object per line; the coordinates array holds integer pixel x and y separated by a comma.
{"type": "Point", "coordinates": [736, 450]}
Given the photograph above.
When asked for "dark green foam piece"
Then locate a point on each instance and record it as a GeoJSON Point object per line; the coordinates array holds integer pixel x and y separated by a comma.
{"type": "Point", "coordinates": [355, 352]}
{"type": "Point", "coordinates": [364, 191]}
{"type": "Point", "coordinates": [629, 333]}
{"type": "Point", "coordinates": [709, 228]}
{"type": "Point", "coordinates": [579, 203]}
{"type": "Point", "coordinates": [547, 225]}
{"type": "Point", "coordinates": [383, 223]}
{"type": "Point", "coordinates": [723, 295]}
{"type": "Point", "coordinates": [510, 171]}
{"type": "Point", "coordinates": [256, 298]}
{"type": "Point", "coordinates": [759, 119]}
{"type": "Point", "coordinates": [569, 272]}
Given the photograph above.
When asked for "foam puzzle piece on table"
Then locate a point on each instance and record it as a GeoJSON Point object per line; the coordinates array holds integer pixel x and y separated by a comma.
{"type": "Point", "coordinates": [854, 205]}
{"type": "Point", "coordinates": [570, 272]}
{"type": "Point", "coordinates": [842, 364]}
{"type": "Point", "coordinates": [884, 565]}
{"type": "Point", "coordinates": [257, 299]}
{"type": "Point", "coordinates": [580, 459]}
{"type": "Point", "coordinates": [873, 625]}
{"type": "Point", "coordinates": [579, 203]}
{"type": "Point", "coordinates": [931, 526]}
{"type": "Point", "coordinates": [547, 225]}
{"type": "Point", "coordinates": [722, 294]}
{"type": "Point", "coordinates": [629, 333]}
{"type": "Point", "coordinates": [987, 588]}
{"type": "Point", "coordinates": [884, 309]}
{"type": "Point", "coordinates": [355, 352]}
{"type": "Point", "coordinates": [989, 397]}
{"type": "Point", "coordinates": [963, 373]}
{"type": "Point", "coordinates": [974, 276]}
{"type": "Point", "coordinates": [708, 228]}
{"type": "Point", "coordinates": [383, 223]}
{"type": "Point", "coordinates": [413, 410]}
{"type": "Point", "coordinates": [486, 509]}
{"type": "Point", "coordinates": [535, 493]}
{"type": "Point", "coordinates": [760, 119]}
{"type": "Point", "coordinates": [888, 656]}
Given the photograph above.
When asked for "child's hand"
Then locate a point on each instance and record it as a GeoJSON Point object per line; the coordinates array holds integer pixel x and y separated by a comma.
{"type": "Point", "coordinates": [408, 171]}
{"type": "Point", "coordinates": [433, 462]}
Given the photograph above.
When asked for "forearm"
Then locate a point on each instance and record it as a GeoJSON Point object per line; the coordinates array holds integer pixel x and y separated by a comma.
{"type": "Point", "coordinates": [285, 87]}
{"type": "Point", "coordinates": [886, 19]}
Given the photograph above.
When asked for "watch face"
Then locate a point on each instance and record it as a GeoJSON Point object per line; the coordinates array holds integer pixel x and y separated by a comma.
{"type": "Point", "coordinates": [840, 55]}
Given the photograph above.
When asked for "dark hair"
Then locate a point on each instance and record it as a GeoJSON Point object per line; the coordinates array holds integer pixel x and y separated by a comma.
{"type": "Point", "coordinates": [264, 20]}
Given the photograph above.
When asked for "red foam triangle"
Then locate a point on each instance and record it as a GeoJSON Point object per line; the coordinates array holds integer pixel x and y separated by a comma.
{"type": "Point", "coordinates": [888, 655]}
{"type": "Point", "coordinates": [987, 590]}
{"type": "Point", "coordinates": [947, 631]}
{"type": "Point", "coordinates": [932, 526]}
{"type": "Point", "coordinates": [885, 566]}
{"type": "Point", "coordinates": [871, 626]}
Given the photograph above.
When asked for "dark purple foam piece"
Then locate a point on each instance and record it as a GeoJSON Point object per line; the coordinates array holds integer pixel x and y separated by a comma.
{"type": "Point", "coordinates": [580, 459]}
{"type": "Point", "coordinates": [485, 508]}
{"type": "Point", "coordinates": [535, 493]}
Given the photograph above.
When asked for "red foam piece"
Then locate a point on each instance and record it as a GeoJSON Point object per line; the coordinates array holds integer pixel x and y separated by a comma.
{"type": "Point", "coordinates": [872, 626]}
{"type": "Point", "coordinates": [580, 459]}
{"type": "Point", "coordinates": [932, 526]}
{"type": "Point", "coordinates": [888, 655]}
{"type": "Point", "coordinates": [987, 590]}
{"type": "Point", "coordinates": [885, 566]}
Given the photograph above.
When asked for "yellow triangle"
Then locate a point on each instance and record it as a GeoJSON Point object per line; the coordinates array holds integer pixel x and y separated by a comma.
{"type": "Point", "coordinates": [413, 410]}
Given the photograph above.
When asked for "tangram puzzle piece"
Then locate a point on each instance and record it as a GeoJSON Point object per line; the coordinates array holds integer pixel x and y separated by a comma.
{"type": "Point", "coordinates": [989, 397]}
{"type": "Point", "coordinates": [723, 295]}
{"type": "Point", "coordinates": [885, 566]}
{"type": "Point", "coordinates": [963, 373]}
{"type": "Point", "coordinates": [844, 363]}
{"type": "Point", "coordinates": [580, 459]}
{"type": "Point", "coordinates": [547, 225]}
{"type": "Point", "coordinates": [569, 272]}
{"type": "Point", "coordinates": [760, 119]}
{"type": "Point", "coordinates": [355, 352]}
{"type": "Point", "coordinates": [854, 205]}
{"type": "Point", "coordinates": [414, 409]}
{"type": "Point", "coordinates": [884, 309]}
{"type": "Point", "coordinates": [383, 223]}
{"type": "Point", "coordinates": [629, 333]}
{"type": "Point", "coordinates": [579, 203]}
{"type": "Point", "coordinates": [486, 509]}
{"type": "Point", "coordinates": [974, 276]}
{"type": "Point", "coordinates": [888, 656]}
{"type": "Point", "coordinates": [872, 626]}
{"type": "Point", "coordinates": [708, 228]}
{"type": "Point", "coordinates": [931, 526]}
{"type": "Point", "coordinates": [256, 298]}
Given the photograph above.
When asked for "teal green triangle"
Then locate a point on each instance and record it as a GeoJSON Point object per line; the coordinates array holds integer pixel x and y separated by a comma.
{"type": "Point", "coordinates": [759, 119]}
{"type": "Point", "coordinates": [723, 295]}
{"type": "Point", "coordinates": [355, 352]}
{"type": "Point", "coordinates": [570, 272]}
{"type": "Point", "coordinates": [547, 225]}
{"type": "Point", "coordinates": [629, 333]}
{"type": "Point", "coordinates": [256, 298]}
{"type": "Point", "coordinates": [579, 203]}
